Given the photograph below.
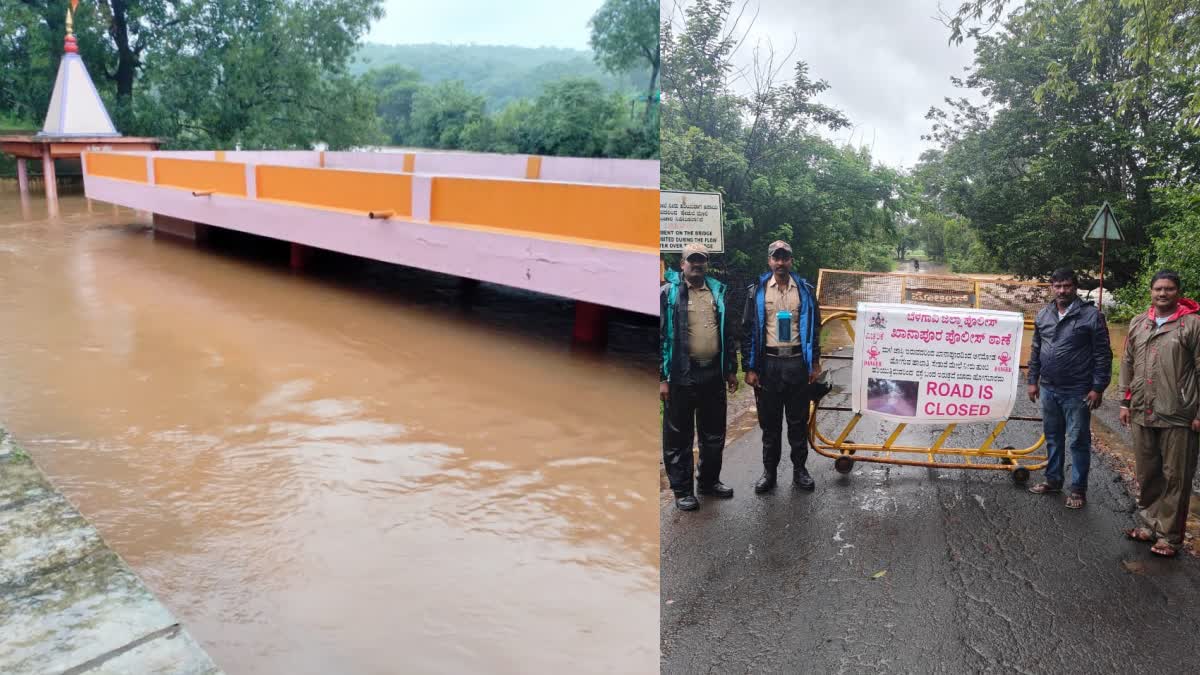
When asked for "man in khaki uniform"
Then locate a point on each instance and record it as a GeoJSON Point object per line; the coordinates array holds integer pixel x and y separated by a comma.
{"type": "Point", "coordinates": [1160, 378]}
{"type": "Point", "coordinates": [697, 367]}
{"type": "Point", "coordinates": [781, 354]}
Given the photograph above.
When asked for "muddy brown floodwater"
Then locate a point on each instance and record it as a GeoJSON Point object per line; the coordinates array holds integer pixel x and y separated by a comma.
{"type": "Point", "coordinates": [355, 471]}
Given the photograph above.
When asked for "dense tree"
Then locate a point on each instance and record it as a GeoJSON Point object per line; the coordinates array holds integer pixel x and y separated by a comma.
{"type": "Point", "coordinates": [394, 87]}
{"type": "Point", "coordinates": [944, 235]}
{"type": "Point", "coordinates": [265, 76]}
{"type": "Point", "coordinates": [575, 117]}
{"type": "Point", "coordinates": [501, 74]}
{"type": "Point", "coordinates": [780, 179]}
{"type": "Point", "coordinates": [1159, 40]}
{"type": "Point", "coordinates": [1177, 247]}
{"type": "Point", "coordinates": [625, 36]}
{"type": "Point", "coordinates": [29, 55]}
{"type": "Point", "coordinates": [1061, 132]}
{"type": "Point", "coordinates": [441, 113]}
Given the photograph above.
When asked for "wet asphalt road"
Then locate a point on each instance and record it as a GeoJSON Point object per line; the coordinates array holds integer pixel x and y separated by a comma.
{"type": "Point", "coordinates": [980, 575]}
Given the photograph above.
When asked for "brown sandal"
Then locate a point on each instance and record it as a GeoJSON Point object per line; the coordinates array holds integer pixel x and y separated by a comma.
{"type": "Point", "coordinates": [1163, 548]}
{"type": "Point", "coordinates": [1045, 489]}
{"type": "Point", "coordinates": [1140, 534]}
{"type": "Point", "coordinates": [1076, 500]}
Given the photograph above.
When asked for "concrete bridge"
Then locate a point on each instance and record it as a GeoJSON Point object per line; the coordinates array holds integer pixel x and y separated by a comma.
{"type": "Point", "coordinates": [583, 229]}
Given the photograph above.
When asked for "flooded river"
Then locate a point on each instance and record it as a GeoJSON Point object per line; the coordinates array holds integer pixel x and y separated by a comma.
{"type": "Point", "coordinates": [360, 470]}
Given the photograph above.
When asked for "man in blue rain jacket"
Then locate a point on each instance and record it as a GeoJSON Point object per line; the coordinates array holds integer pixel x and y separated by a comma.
{"type": "Point", "coordinates": [781, 352]}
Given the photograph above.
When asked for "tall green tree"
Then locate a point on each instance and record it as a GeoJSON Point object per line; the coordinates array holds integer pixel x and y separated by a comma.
{"type": "Point", "coordinates": [761, 150]}
{"type": "Point", "coordinates": [394, 87]}
{"type": "Point", "coordinates": [28, 59]}
{"type": "Point", "coordinates": [249, 74]}
{"type": "Point", "coordinates": [625, 36]}
{"type": "Point", "coordinates": [1159, 39]}
{"type": "Point", "coordinates": [1058, 136]}
{"type": "Point", "coordinates": [575, 117]}
{"type": "Point", "coordinates": [1176, 248]}
{"type": "Point", "coordinates": [442, 112]}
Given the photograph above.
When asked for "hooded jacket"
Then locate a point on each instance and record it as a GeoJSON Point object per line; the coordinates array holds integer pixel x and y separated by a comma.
{"type": "Point", "coordinates": [1161, 368]}
{"type": "Point", "coordinates": [1071, 353]}
{"type": "Point", "coordinates": [674, 358]}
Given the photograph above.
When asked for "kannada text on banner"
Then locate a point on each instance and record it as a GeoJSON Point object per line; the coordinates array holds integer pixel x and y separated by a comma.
{"type": "Point", "coordinates": [916, 363]}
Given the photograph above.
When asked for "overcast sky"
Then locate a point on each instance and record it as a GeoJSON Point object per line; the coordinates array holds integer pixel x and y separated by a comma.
{"type": "Point", "coordinates": [886, 62]}
{"type": "Point", "coordinates": [524, 23]}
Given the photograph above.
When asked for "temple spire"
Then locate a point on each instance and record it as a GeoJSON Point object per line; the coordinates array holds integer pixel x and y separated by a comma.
{"type": "Point", "coordinates": [76, 108]}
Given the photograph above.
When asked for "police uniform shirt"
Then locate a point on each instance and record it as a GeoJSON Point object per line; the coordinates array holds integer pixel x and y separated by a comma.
{"type": "Point", "coordinates": [779, 299]}
{"type": "Point", "coordinates": [703, 338]}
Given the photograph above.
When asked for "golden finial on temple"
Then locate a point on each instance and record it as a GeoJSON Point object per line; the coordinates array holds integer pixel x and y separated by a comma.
{"type": "Point", "coordinates": [69, 45]}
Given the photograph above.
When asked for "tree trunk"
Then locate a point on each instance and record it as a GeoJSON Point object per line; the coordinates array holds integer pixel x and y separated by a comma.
{"type": "Point", "coordinates": [1142, 182]}
{"type": "Point", "coordinates": [650, 94]}
{"type": "Point", "coordinates": [127, 60]}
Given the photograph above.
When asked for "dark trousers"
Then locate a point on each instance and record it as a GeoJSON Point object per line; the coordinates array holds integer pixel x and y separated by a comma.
{"type": "Point", "coordinates": [694, 408]}
{"type": "Point", "coordinates": [783, 394]}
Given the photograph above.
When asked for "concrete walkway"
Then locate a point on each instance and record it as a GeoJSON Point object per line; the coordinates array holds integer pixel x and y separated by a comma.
{"type": "Point", "coordinates": [68, 603]}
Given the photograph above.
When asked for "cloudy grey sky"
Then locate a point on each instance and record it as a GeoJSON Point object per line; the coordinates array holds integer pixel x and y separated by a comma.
{"type": "Point", "coordinates": [886, 61]}
{"type": "Point", "coordinates": [524, 23]}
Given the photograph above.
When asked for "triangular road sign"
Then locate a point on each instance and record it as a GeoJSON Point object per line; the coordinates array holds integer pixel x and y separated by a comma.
{"type": "Point", "coordinates": [1104, 225]}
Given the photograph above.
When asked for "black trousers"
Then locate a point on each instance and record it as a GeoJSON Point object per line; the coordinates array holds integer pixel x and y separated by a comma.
{"type": "Point", "coordinates": [694, 408]}
{"type": "Point", "coordinates": [783, 394]}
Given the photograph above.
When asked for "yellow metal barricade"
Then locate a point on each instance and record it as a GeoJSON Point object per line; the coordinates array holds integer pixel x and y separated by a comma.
{"type": "Point", "coordinates": [839, 291]}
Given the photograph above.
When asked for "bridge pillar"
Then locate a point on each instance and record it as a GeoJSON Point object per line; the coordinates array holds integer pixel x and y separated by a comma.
{"type": "Point", "coordinates": [591, 325]}
{"type": "Point", "coordinates": [469, 291]}
{"type": "Point", "coordinates": [300, 257]}
{"type": "Point", "coordinates": [22, 175]}
{"type": "Point", "coordinates": [48, 175]}
{"type": "Point", "coordinates": [182, 229]}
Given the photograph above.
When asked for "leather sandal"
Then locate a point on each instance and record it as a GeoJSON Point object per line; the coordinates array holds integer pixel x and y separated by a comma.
{"type": "Point", "coordinates": [1045, 489]}
{"type": "Point", "coordinates": [1164, 549]}
{"type": "Point", "coordinates": [1143, 534]}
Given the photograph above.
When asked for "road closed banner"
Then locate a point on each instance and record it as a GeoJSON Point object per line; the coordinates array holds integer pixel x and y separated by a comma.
{"type": "Point", "coordinates": [915, 363]}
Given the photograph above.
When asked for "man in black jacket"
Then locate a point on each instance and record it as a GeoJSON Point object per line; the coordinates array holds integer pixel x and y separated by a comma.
{"type": "Point", "coordinates": [1071, 360]}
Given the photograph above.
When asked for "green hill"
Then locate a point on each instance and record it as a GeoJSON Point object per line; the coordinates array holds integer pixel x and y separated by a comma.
{"type": "Point", "coordinates": [501, 73]}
